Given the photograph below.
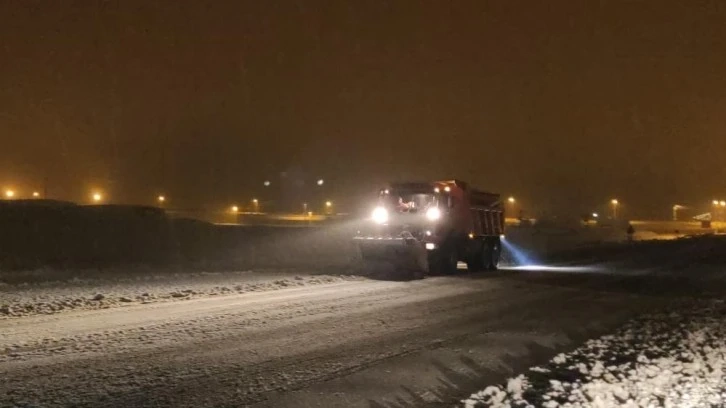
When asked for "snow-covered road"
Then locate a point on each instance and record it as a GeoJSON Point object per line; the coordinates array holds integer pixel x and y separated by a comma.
{"type": "Point", "coordinates": [334, 342]}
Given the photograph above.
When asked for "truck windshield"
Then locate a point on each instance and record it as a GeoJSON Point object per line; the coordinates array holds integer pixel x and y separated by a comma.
{"type": "Point", "coordinates": [402, 201]}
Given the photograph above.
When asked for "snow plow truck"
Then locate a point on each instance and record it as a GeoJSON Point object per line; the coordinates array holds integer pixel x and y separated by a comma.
{"type": "Point", "coordinates": [428, 227]}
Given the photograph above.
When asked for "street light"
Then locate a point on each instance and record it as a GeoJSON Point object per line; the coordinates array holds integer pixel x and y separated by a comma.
{"type": "Point", "coordinates": [97, 197]}
{"type": "Point", "coordinates": [511, 200]}
{"type": "Point", "coordinates": [36, 194]}
{"type": "Point", "coordinates": [234, 209]}
{"type": "Point", "coordinates": [717, 213]}
{"type": "Point", "coordinates": [161, 199]}
{"type": "Point", "coordinates": [615, 204]}
{"type": "Point", "coordinates": [266, 183]}
{"type": "Point", "coordinates": [256, 204]}
{"type": "Point", "coordinates": [328, 204]}
{"type": "Point", "coordinates": [9, 193]}
{"type": "Point", "coordinates": [321, 182]}
{"type": "Point", "coordinates": [677, 207]}
{"type": "Point", "coordinates": [595, 215]}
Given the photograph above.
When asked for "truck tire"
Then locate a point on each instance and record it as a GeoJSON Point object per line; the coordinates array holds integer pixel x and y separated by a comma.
{"type": "Point", "coordinates": [486, 255]}
{"type": "Point", "coordinates": [411, 274]}
{"type": "Point", "coordinates": [443, 261]}
{"type": "Point", "coordinates": [477, 262]}
{"type": "Point", "coordinates": [495, 252]}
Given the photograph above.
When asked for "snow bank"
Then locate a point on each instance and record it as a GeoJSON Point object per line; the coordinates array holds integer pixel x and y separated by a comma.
{"type": "Point", "coordinates": [673, 359]}
{"type": "Point", "coordinates": [47, 298]}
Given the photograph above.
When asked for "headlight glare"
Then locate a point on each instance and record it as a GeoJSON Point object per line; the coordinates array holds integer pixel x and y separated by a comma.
{"type": "Point", "coordinates": [379, 215]}
{"type": "Point", "coordinates": [433, 213]}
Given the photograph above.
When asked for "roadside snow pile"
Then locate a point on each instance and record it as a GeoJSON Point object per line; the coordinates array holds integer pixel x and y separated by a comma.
{"type": "Point", "coordinates": [25, 300]}
{"type": "Point", "coordinates": [671, 359]}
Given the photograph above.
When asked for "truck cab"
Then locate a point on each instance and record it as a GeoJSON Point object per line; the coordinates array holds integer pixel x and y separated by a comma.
{"type": "Point", "coordinates": [431, 226]}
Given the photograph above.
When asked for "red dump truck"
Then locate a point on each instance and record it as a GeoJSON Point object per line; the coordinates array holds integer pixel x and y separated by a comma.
{"type": "Point", "coordinates": [431, 226]}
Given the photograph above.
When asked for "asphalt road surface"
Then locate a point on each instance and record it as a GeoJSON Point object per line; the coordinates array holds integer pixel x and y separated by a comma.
{"type": "Point", "coordinates": [363, 343]}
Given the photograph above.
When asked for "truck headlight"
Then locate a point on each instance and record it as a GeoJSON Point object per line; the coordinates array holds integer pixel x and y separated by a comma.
{"type": "Point", "coordinates": [433, 213]}
{"type": "Point", "coordinates": [379, 215]}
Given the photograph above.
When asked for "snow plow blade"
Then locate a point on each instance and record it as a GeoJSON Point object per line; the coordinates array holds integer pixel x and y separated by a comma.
{"type": "Point", "coordinates": [407, 257]}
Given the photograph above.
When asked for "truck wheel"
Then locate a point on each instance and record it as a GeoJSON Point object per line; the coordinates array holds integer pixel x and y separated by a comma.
{"type": "Point", "coordinates": [413, 274]}
{"type": "Point", "coordinates": [476, 262]}
{"type": "Point", "coordinates": [475, 265]}
{"type": "Point", "coordinates": [486, 255]}
{"type": "Point", "coordinates": [443, 261]}
{"type": "Point", "coordinates": [495, 249]}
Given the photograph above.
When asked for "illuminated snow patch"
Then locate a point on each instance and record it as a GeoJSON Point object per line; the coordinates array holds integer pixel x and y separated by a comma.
{"type": "Point", "coordinates": [518, 256]}
{"type": "Point", "coordinates": [549, 268]}
{"type": "Point", "coordinates": [675, 359]}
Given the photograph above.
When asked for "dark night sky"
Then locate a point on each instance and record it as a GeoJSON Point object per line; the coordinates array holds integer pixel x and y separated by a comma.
{"type": "Point", "coordinates": [564, 104]}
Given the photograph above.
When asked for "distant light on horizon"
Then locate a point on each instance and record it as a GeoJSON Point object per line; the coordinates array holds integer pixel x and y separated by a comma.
{"type": "Point", "coordinates": [9, 193]}
{"type": "Point", "coordinates": [161, 198]}
{"type": "Point", "coordinates": [97, 197]}
{"type": "Point", "coordinates": [218, 100]}
{"type": "Point", "coordinates": [36, 194]}
{"type": "Point", "coordinates": [234, 209]}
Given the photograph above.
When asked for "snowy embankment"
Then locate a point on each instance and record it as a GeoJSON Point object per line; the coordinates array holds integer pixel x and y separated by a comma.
{"type": "Point", "coordinates": [24, 299]}
{"type": "Point", "coordinates": [672, 359]}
